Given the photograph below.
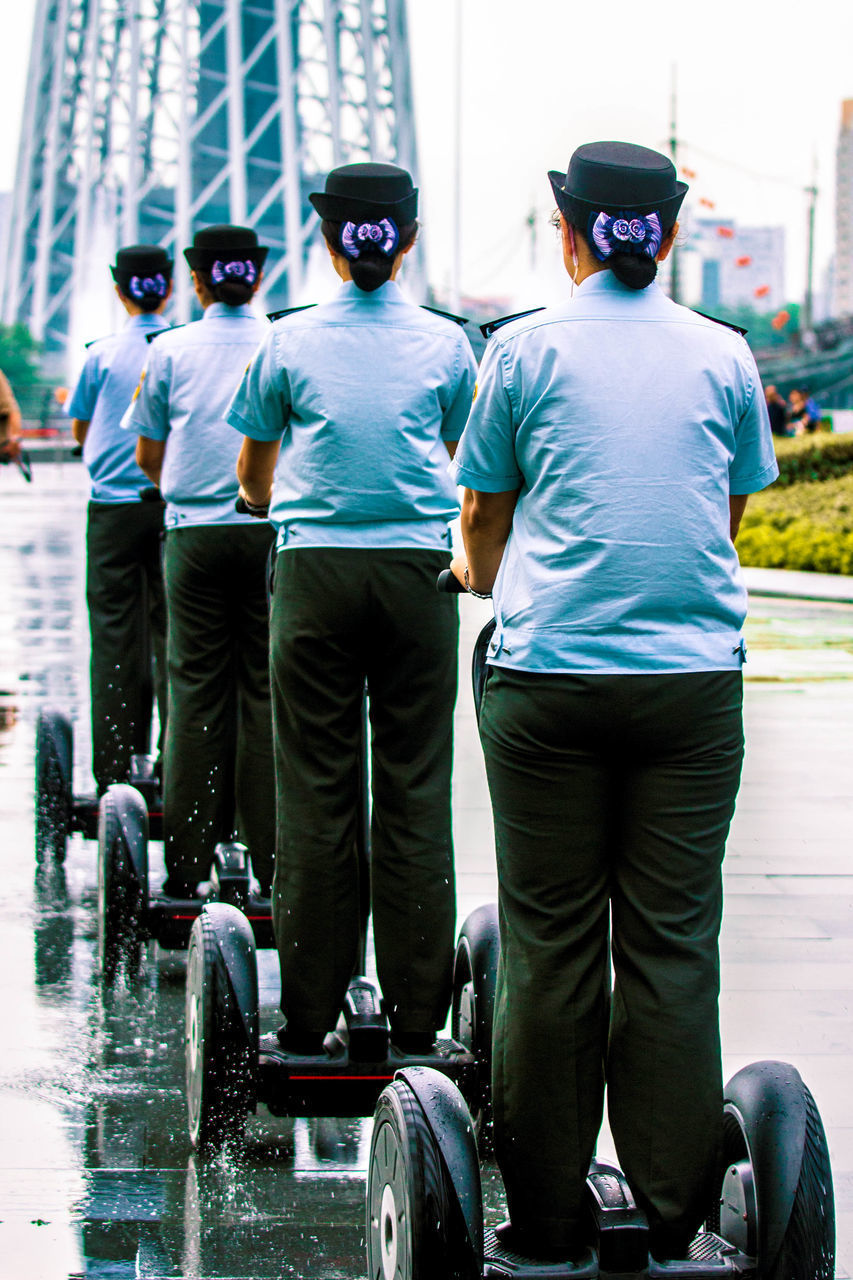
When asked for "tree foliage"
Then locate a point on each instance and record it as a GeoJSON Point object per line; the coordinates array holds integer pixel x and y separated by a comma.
{"type": "Point", "coordinates": [759, 324]}
{"type": "Point", "coordinates": [19, 355]}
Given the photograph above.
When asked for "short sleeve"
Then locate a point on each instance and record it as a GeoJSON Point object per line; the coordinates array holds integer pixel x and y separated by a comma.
{"type": "Point", "coordinates": [261, 405]}
{"type": "Point", "coordinates": [148, 412]}
{"type": "Point", "coordinates": [485, 460]}
{"type": "Point", "coordinates": [81, 403]}
{"type": "Point", "coordinates": [754, 464]}
{"type": "Point", "coordinates": [455, 414]}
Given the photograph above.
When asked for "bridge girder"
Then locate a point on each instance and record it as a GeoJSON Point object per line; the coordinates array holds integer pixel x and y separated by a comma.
{"type": "Point", "coordinates": [147, 118]}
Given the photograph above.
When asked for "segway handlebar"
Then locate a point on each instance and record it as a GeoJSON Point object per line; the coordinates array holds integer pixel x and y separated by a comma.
{"type": "Point", "coordinates": [245, 508]}
{"type": "Point", "coordinates": [448, 583]}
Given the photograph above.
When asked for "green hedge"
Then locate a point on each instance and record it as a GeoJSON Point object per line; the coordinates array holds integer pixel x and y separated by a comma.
{"type": "Point", "coordinates": [820, 456]}
{"type": "Point", "coordinates": [807, 526]}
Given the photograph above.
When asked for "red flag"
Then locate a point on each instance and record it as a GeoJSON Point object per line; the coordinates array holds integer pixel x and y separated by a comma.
{"type": "Point", "coordinates": [762, 291]}
{"type": "Point", "coordinates": [726, 233]}
{"type": "Point", "coordinates": [780, 319]}
{"type": "Point", "coordinates": [743, 261]}
{"type": "Point", "coordinates": [688, 173]}
{"type": "Point", "coordinates": [709, 204]}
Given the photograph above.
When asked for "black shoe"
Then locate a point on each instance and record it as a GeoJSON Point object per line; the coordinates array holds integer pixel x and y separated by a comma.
{"type": "Point", "coordinates": [413, 1044]}
{"type": "Point", "coordinates": [668, 1245]}
{"type": "Point", "coordinates": [303, 1044]}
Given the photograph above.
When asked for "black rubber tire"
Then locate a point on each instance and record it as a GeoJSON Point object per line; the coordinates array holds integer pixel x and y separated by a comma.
{"type": "Point", "coordinates": [53, 784]}
{"type": "Point", "coordinates": [121, 898]}
{"type": "Point", "coordinates": [409, 1230]}
{"type": "Point", "coordinates": [219, 1059]}
{"type": "Point", "coordinates": [475, 971]}
{"type": "Point", "coordinates": [807, 1250]}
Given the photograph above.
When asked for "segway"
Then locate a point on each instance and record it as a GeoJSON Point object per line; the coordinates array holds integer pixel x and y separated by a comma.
{"type": "Point", "coordinates": [230, 1068]}
{"type": "Point", "coordinates": [58, 811]}
{"type": "Point", "coordinates": [132, 907]}
{"type": "Point", "coordinates": [773, 1218]}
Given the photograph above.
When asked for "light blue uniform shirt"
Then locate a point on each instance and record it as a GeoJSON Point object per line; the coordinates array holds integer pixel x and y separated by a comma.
{"type": "Point", "coordinates": [103, 392]}
{"type": "Point", "coordinates": [626, 422]}
{"type": "Point", "coordinates": [362, 392]}
{"type": "Point", "coordinates": [190, 377]}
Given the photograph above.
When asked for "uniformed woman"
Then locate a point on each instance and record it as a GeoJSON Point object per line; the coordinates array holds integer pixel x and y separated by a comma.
{"type": "Point", "coordinates": [218, 776]}
{"type": "Point", "coordinates": [606, 463]}
{"type": "Point", "coordinates": [124, 581]}
{"type": "Point", "coordinates": [364, 399]}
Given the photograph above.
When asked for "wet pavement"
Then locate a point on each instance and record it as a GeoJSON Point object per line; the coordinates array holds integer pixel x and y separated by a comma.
{"type": "Point", "coordinates": [97, 1177]}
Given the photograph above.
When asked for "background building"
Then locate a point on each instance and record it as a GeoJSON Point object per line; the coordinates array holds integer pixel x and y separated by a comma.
{"type": "Point", "coordinates": [843, 281]}
{"type": "Point", "coordinates": [737, 266]}
{"type": "Point", "coordinates": [143, 122]}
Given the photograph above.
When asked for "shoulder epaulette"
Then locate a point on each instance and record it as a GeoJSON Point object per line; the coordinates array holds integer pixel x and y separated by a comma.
{"type": "Point", "coordinates": [149, 337]}
{"type": "Point", "coordinates": [272, 316]}
{"type": "Point", "coordinates": [493, 325]}
{"type": "Point", "coordinates": [727, 324]}
{"type": "Point", "coordinates": [447, 315]}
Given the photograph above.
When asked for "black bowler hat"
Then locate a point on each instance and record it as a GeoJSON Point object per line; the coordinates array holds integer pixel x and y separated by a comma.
{"type": "Point", "coordinates": [358, 191]}
{"type": "Point", "coordinates": [618, 177]}
{"type": "Point", "coordinates": [225, 244]}
{"type": "Point", "coordinates": [141, 260]}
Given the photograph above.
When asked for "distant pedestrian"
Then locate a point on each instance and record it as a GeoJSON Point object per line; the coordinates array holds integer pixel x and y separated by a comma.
{"type": "Point", "coordinates": [777, 409]}
{"type": "Point", "coordinates": [124, 583]}
{"type": "Point", "coordinates": [10, 423]}
{"type": "Point", "coordinates": [804, 413]}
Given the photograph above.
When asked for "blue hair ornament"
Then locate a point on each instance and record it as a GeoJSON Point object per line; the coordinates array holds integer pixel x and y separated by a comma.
{"type": "Point", "coordinates": [237, 270]}
{"type": "Point", "coordinates": [382, 236]}
{"type": "Point", "coordinates": [625, 233]}
{"type": "Point", "coordinates": [140, 287]}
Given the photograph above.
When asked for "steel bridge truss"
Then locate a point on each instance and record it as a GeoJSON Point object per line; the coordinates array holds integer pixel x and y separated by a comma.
{"type": "Point", "coordinates": [145, 119]}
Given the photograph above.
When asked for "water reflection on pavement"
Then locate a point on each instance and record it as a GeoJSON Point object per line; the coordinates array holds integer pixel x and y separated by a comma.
{"type": "Point", "coordinates": [97, 1176]}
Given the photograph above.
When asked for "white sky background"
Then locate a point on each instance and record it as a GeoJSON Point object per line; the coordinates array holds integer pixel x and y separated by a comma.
{"type": "Point", "coordinates": [760, 85]}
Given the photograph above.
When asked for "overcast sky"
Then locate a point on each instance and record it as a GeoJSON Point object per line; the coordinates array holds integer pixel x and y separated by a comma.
{"type": "Point", "coordinates": [760, 85]}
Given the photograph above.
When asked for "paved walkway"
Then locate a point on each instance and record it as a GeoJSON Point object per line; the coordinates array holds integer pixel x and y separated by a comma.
{"type": "Point", "coordinates": [96, 1175]}
{"type": "Point", "coordinates": [792, 584]}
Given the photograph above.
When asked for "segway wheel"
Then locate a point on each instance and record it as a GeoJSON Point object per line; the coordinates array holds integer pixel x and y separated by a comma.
{"type": "Point", "coordinates": [776, 1199]}
{"type": "Point", "coordinates": [408, 1213]}
{"type": "Point", "coordinates": [475, 970]}
{"type": "Point", "coordinates": [53, 793]}
{"type": "Point", "coordinates": [220, 1061]}
{"type": "Point", "coordinates": [122, 885]}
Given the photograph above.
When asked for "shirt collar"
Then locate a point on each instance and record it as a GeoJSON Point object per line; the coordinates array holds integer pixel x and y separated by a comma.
{"type": "Point", "coordinates": [606, 282]}
{"type": "Point", "coordinates": [220, 310]}
{"type": "Point", "coordinates": [146, 320]}
{"type": "Point", "coordinates": [387, 292]}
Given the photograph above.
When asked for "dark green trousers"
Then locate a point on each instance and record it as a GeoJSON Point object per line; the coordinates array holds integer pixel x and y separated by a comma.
{"type": "Point", "coordinates": [127, 626]}
{"type": "Point", "coordinates": [612, 799]}
{"type": "Point", "coordinates": [219, 776]}
{"type": "Point", "coordinates": [340, 617]}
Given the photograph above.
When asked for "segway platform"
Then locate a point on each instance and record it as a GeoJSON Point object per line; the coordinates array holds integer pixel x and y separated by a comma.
{"type": "Point", "coordinates": [337, 1084]}
{"type": "Point", "coordinates": [58, 811]}
{"type": "Point", "coordinates": [230, 1068]}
